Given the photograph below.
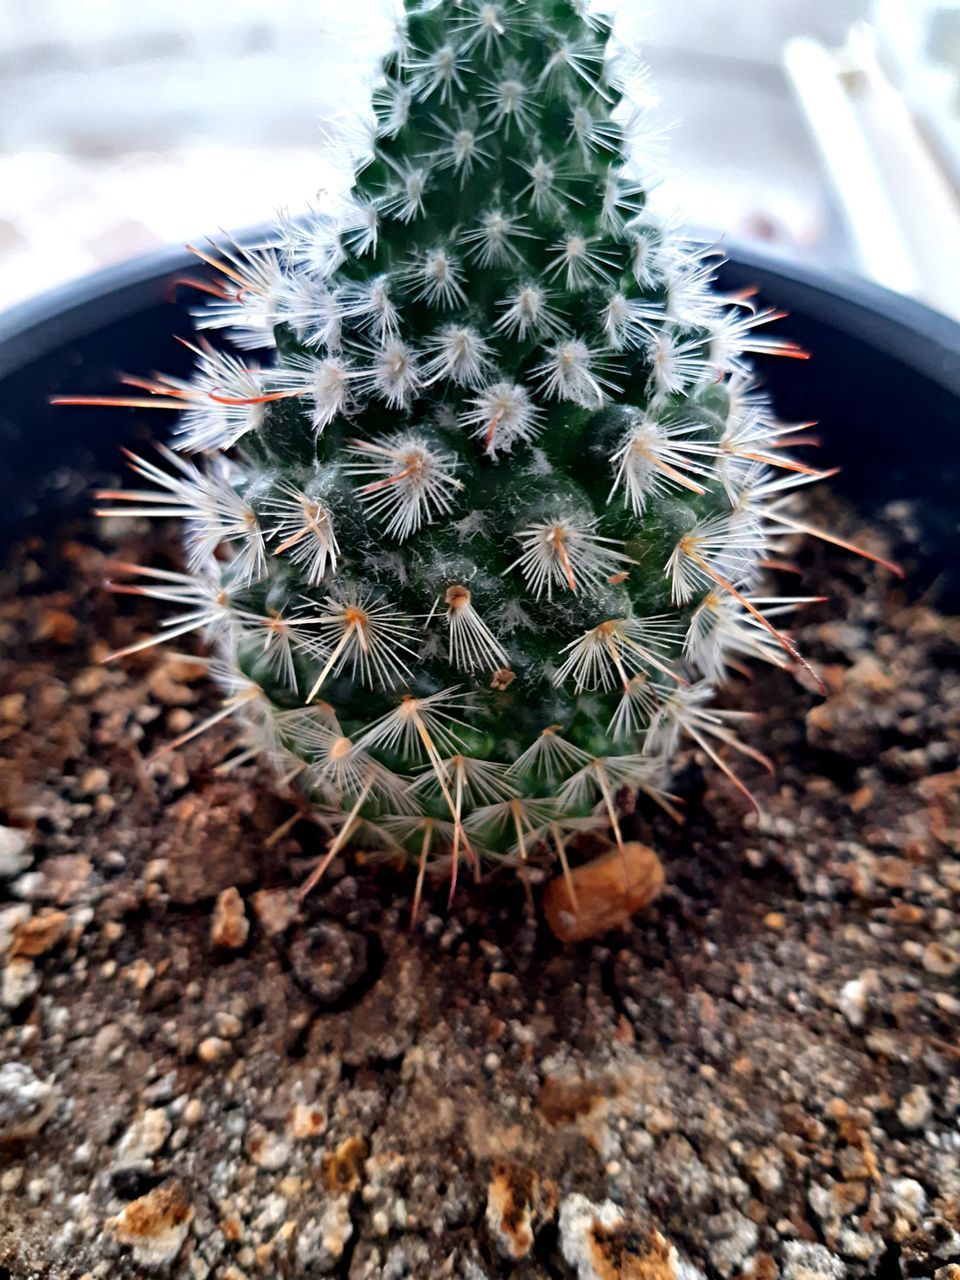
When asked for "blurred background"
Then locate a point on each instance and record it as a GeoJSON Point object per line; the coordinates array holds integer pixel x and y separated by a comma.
{"type": "Point", "coordinates": [827, 128]}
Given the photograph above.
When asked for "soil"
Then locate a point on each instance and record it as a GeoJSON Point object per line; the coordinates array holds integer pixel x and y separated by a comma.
{"type": "Point", "coordinates": [757, 1077]}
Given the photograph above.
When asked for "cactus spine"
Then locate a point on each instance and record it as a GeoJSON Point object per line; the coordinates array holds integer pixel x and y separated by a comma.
{"type": "Point", "coordinates": [476, 551]}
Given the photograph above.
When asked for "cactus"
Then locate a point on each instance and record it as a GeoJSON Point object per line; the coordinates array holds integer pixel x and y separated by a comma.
{"type": "Point", "coordinates": [475, 552]}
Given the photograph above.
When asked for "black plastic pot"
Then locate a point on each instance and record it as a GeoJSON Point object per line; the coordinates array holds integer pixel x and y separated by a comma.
{"type": "Point", "coordinates": [884, 383]}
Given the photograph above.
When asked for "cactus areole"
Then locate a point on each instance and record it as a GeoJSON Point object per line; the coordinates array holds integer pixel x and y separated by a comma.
{"type": "Point", "coordinates": [476, 550]}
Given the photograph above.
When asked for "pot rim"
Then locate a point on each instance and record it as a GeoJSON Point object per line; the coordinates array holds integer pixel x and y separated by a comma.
{"type": "Point", "coordinates": [918, 337]}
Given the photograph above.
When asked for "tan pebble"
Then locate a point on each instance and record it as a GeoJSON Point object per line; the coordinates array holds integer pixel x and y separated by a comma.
{"type": "Point", "coordinates": [231, 1224]}
{"type": "Point", "coordinates": [65, 877]}
{"type": "Point", "coordinates": [861, 799]}
{"type": "Point", "coordinates": [20, 982]}
{"type": "Point", "coordinates": [895, 873]}
{"type": "Point", "coordinates": [57, 626]}
{"type": "Point", "coordinates": [501, 980]}
{"type": "Point", "coordinates": [268, 1150]}
{"type": "Point", "coordinates": [94, 781]}
{"type": "Point", "coordinates": [193, 1112]}
{"type": "Point", "coordinates": [39, 934]}
{"type": "Point", "coordinates": [306, 1121]}
{"type": "Point", "coordinates": [846, 1197]}
{"type": "Point", "coordinates": [609, 890]}
{"type": "Point", "coordinates": [212, 1049]}
{"type": "Point", "coordinates": [89, 681]}
{"type": "Point", "coordinates": [230, 927]}
{"type": "Point", "coordinates": [139, 973]}
{"type": "Point", "coordinates": [915, 1108]}
{"type": "Point", "coordinates": [516, 1202]}
{"type": "Point", "coordinates": [775, 920]}
{"type": "Point", "coordinates": [657, 1121]}
{"type": "Point", "coordinates": [155, 1225]}
{"type": "Point", "coordinates": [906, 913]}
{"type": "Point", "coordinates": [939, 960]}
{"type": "Point", "coordinates": [274, 909]}
{"type": "Point", "coordinates": [145, 1137]}
{"type": "Point", "coordinates": [228, 1025]}
{"type": "Point", "coordinates": [12, 707]}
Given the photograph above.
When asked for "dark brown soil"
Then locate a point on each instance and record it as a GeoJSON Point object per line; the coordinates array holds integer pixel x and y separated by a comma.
{"type": "Point", "coordinates": [758, 1077]}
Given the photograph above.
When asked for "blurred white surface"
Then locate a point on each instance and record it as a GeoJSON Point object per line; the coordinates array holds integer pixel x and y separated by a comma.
{"type": "Point", "coordinates": [127, 126]}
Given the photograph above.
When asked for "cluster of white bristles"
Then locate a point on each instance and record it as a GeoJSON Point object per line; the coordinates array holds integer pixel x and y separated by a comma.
{"type": "Point", "coordinates": [355, 353]}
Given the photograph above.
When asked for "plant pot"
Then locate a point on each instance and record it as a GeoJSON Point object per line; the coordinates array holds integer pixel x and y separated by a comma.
{"type": "Point", "coordinates": [884, 383]}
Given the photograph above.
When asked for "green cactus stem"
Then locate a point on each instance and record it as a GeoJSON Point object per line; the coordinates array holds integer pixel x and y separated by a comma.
{"type": "Point", "coordinates": [475, 551]}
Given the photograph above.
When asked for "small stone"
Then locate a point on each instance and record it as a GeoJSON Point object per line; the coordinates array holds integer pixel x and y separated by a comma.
{"type": "Point", "coordinates": [37, 1188]}
{"type": "Point", "coordinates": [517, 1202]}
{"type": "Point", "coordinates": [20, 982]}
{"type": "Point", "coordinates": [212, 1049]}
{"type": "Point", "coordinates": [939, 960]}
{"type": "Point", "coordinates": [267, 1150]}
{"type": "Point", "coordinates": [83, 1155]}
{"type": "Point", "coordinates": [58, 626]}
{"type": "Point", "coordinates": [39, 934]}
{"type": "Point", "coordinates": [144, 1139]}
{"type": "Point", "coordinates": [230, 927]}
{"type": "Point", "coordinates": [847, 1197]}
{"type": "Point", "coordinates": [342, 1169]}
{"type": "Point", "coordinates": [321, 1243]}
{"type": "Point", "coordinates": [105, 1041]}
{"type": "Point", "coordinates": [600, 1243]}
{"type": "Point", "coordinates": [10, 920]}
{"type": "Point", "coordinates": [14, 855]}
{"type": "Point", "coordinates": [94, 782]}
{"type": "Point", "coordinates": [139, 973]}
{"type": "Point", "coordinates": [155, 1225]}
{"type": "Point", "coordinates": [734, 1239]}
{"type": "Point", "coordinates": [63, 879]}
{"type": "Point", "coordinates": [864, 1246]}
{"type": "Point", "coordinates": [193, 1112]}
{"type": "Point", "coordinates": [609, 890]}
{"type": "Point", "coordinates": [854, 999]}
{"type": "Point", "coordinates": [228, 1025]}
{"type": "Point", "coordinates": [26, 1102]}
{"type": "Point", "coordinates": [909, 1200]}
{"type": "Point", "coordinates": [915, 1108]}
{"type": "Point", "coordinates": [306, 1121]}
{"type": "Point", "coordinates": [275, 910]}
{"type": "Point", "coordinates": [803, 1261]}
